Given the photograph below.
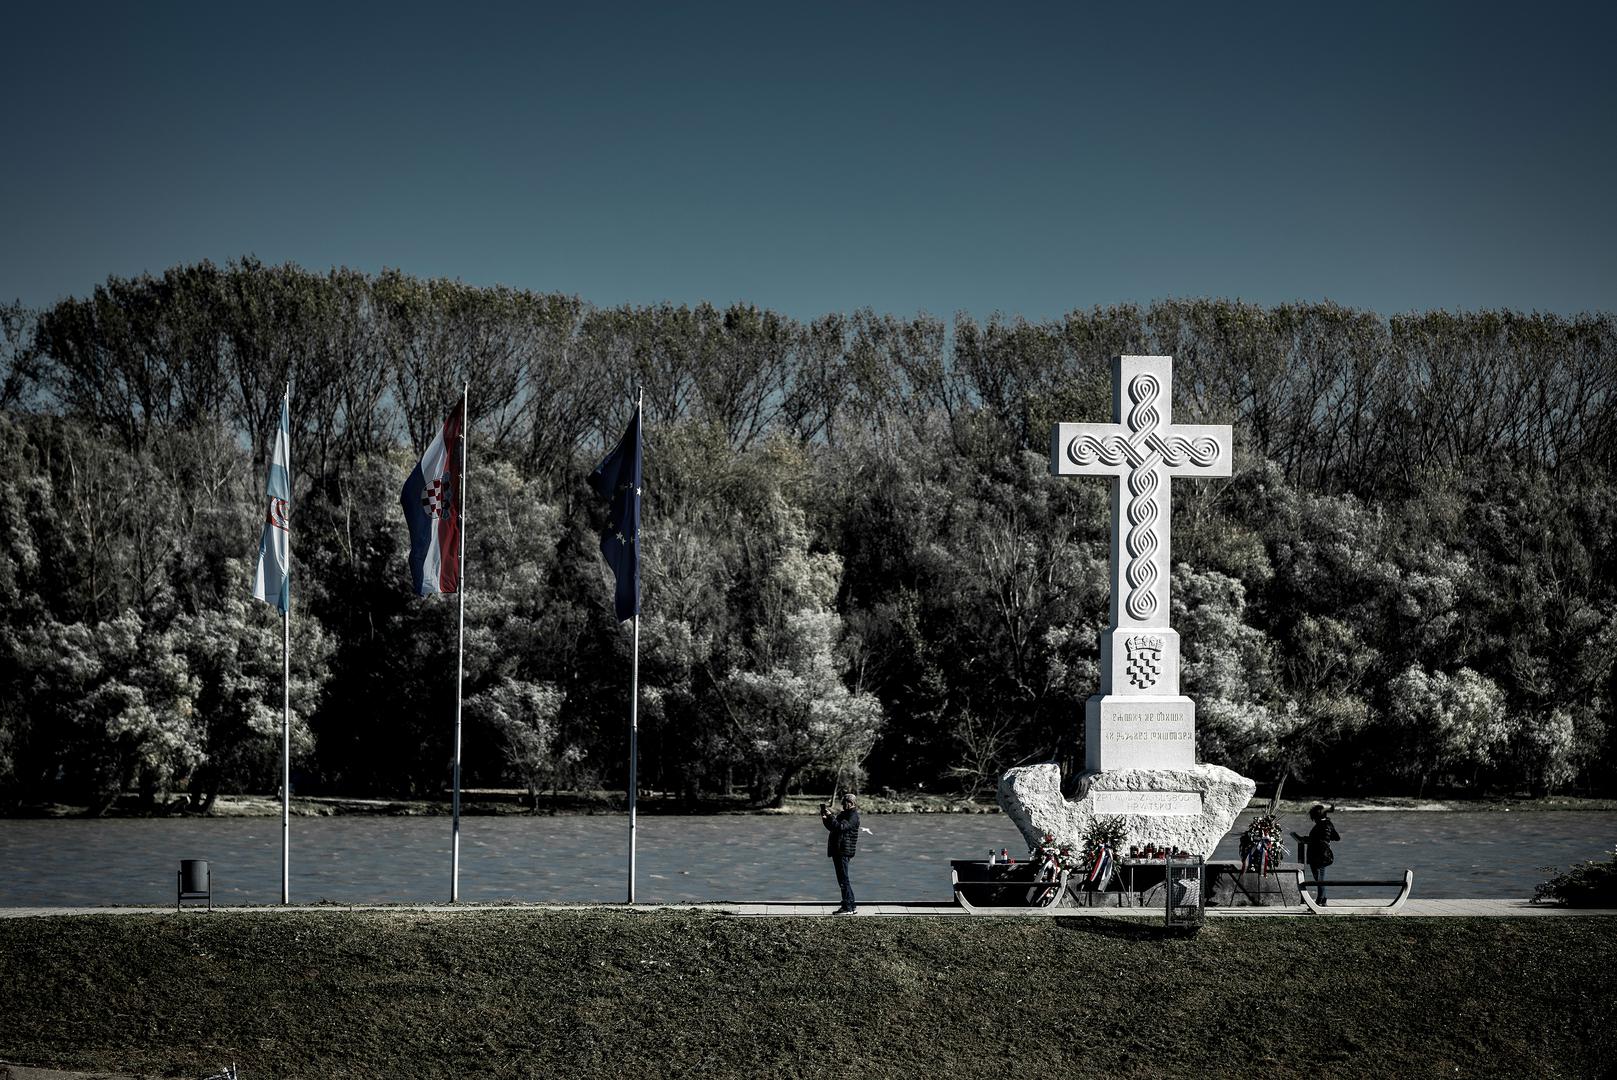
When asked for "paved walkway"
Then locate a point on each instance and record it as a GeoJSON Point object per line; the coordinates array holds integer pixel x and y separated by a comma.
{"type": "Point", "coordinates": [1412, 908]}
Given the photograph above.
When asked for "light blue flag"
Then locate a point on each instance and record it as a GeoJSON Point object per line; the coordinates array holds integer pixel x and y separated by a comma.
{"type": "Point", "coordinates": [273, 581]}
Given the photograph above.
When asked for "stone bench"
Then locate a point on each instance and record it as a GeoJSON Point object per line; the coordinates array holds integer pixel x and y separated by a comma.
{"type": "Point", "coordinates": [1001, 887]}
{"type": "Point", "coordinates": [1403, 885]}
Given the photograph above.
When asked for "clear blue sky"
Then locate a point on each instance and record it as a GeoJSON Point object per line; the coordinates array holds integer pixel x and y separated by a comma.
{"type": "Point", "coordinates": [814, 157]}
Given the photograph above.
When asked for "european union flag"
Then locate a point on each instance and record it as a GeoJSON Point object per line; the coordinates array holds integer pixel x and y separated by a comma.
{"type": "Point", "coordinates": [618, 478]}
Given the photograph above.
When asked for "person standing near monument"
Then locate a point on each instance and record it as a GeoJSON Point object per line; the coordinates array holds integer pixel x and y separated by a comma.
{"type": "Point", "coordinates": [841, 844]}
{"type": "Point", "coordinates": [1319, 839]}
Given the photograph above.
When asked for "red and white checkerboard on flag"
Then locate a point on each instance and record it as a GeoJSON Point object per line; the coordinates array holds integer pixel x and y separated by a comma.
{"type": "Point", "coordinates": [432, 507]}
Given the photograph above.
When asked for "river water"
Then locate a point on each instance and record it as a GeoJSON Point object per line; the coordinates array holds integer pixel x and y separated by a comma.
{"type": "Point", "coordinates": [721, 858]}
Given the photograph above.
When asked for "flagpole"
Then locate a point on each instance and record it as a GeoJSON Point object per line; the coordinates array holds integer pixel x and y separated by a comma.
{"type": "Point", "coordinates": [286, 754]}
{"type": "Point", "coordinates": [460, 661]}
{"type": "Point", "coordinates": [634, 685]}
{"type": "Point", "coordinates": [634, 733]}
{"type": "Point", "coordinates": [286, 688]}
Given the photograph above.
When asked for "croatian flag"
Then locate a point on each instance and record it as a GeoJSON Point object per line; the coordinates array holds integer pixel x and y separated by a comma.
{"type": "Point", "coordinates": [272, 582]}
{"type": "Point", "coordinates": [432, 506]}
{"type": "Point", "coordinates": [1103, 864]}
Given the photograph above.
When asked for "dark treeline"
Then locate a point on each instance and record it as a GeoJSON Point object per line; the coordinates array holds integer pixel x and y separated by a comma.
{"type": "Point", "coordinates": [855, 560]}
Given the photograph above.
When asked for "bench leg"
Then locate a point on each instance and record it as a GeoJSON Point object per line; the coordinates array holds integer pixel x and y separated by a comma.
{"type": "Point", "coordinates": [1308, 901]}
{"type": "Point", "coordinates": [1403, 894]}
{"type": "Point", "coordinates": [959, 893]}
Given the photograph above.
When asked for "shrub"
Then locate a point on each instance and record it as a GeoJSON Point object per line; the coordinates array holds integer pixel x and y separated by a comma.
{"type": "Point", "coordinates": [1587, 884]}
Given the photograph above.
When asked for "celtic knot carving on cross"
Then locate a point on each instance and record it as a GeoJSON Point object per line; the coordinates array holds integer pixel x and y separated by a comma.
{"type": "Point", "coordinates": [1143, 449]}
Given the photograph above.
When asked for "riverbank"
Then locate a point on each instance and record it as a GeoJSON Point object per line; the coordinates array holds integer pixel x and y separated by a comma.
{"type": "Point", "coordinates": [596, 993]}
{"type": "Point", "coordinates": [498, 802]}
{"type": "Point", "coordinates": [501, 803]}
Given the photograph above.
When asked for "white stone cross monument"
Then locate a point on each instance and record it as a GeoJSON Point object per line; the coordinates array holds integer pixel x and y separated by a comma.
{"type": "Point", "coordinates": [1139, 731]}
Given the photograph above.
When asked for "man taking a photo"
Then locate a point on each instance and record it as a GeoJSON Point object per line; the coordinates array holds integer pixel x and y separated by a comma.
{"type": "Point", "coordinates": [841, 845]}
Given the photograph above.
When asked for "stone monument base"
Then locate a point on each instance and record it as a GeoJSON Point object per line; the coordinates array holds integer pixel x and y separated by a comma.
{"type": "Point", "coordinates": [1189, 808]}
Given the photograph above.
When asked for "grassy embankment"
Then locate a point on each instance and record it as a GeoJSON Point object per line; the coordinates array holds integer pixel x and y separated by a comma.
{"type": "Point", "coordinates": [487, 802]}
{"type": "Point", "coordinates": [614, 994]}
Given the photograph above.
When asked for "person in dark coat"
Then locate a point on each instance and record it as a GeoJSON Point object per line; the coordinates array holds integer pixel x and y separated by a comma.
{"type": "Point", "coordinates": [1318, 851]}
{"type": "Point", "coordinates": [841, 844]}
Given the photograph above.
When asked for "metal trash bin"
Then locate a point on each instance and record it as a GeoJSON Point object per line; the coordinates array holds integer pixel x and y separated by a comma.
{"type": "Point", "coordinates": [195, 882]}
{"type": "Point", "coordinates": [1184, 889]}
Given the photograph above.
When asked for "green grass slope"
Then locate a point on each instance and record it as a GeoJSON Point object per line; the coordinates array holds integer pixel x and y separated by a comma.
{"type": "Point", "coordinates": [617, 994]}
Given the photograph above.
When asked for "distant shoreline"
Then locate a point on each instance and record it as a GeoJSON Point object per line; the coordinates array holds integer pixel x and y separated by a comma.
{"type": "Point", "coordinates": [486, 803]}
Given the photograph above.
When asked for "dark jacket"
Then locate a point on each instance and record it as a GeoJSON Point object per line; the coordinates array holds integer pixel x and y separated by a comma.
{"type": "Point", "coordinates": [844, 838]}
{"type": "Point", "coordinates": [1319, 842]}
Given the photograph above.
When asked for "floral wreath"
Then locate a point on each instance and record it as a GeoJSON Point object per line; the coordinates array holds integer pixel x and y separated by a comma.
{"type": "Point", "coordinates": [1263, 845]}
{"type": "Point", "coordinates": [1104, 836]}
{"type": "Point", "coordinates": [1050, 858]}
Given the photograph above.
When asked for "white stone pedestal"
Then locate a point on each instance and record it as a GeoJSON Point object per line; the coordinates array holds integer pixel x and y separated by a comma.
{"type": "Point", "coordinates": [1139, 732]}
{"type": "Point", "coordinates": [1190, 808]}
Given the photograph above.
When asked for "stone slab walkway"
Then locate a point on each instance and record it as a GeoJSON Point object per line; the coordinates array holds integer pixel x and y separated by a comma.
{"type": "Point", "coordinates": [1412, 908]}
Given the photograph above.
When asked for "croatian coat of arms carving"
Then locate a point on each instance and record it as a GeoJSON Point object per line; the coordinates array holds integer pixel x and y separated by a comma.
{"type": "Point", "coordinates": [1144, 659]}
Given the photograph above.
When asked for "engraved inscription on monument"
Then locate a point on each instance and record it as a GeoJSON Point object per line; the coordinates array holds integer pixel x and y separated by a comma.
{"type": "Point", "coordinates": [1162, 803]}
{"type": "Point", "coordinates": [1140, 733]}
